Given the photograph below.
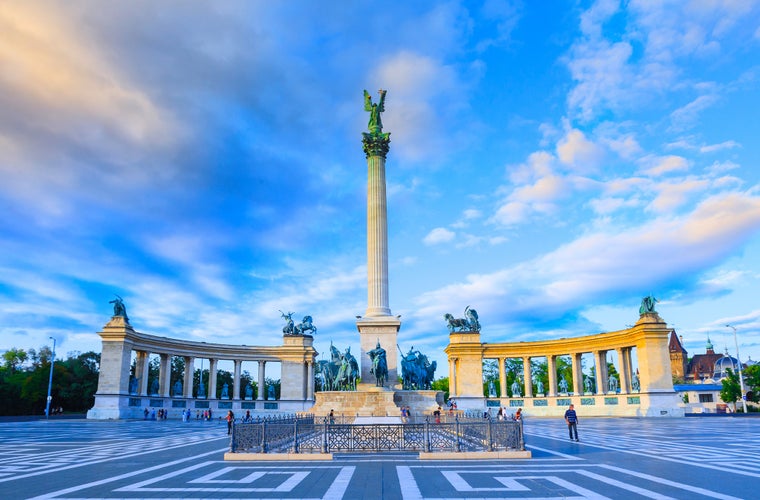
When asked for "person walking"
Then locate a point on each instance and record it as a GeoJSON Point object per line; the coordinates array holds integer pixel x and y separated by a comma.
{"type": "Point", "coordinates": [572, 422]}
{"type": "Point", "coordinates": [230, 420]}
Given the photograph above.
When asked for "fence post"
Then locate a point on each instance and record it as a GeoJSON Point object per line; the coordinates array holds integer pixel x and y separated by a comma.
{"type": "Point", "coordinates": [233, 441]}
{"type": "Point", "coordinates": [264, 436]}
{"type": "Point", "coordinates": [521, 439]}
{"type": "Point", "coordinates": [324, 435]}
{"type": "Point", "coordinates": [459, 443]}
{"type": "Point", "coordinates": [489, 434]}
{"type": "Point", "coordinates": [295, 435]}
{"type": "Point", "coordinates": [427, 435]}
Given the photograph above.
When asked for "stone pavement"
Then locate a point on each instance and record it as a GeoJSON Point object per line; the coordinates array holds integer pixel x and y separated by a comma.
{"type": "Point", "coordinates": [616, 458]}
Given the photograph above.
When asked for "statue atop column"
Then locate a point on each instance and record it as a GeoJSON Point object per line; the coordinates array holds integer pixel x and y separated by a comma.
{"type": "Point", "coordinates": [119, 309]}
{"type": "Point", "coordinates": [375, 141]}
{"type": "Point", "coordinates": [469, 323]}
{"type": "Point", "coordinates": [647, 305]}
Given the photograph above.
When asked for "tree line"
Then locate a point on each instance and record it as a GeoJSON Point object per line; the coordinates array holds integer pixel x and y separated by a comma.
{"type": "Point", "coordinates": [24, 377]}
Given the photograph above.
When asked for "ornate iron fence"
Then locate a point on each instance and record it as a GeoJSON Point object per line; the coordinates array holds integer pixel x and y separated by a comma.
{"type": "Point", "coordinates": [305, 435]}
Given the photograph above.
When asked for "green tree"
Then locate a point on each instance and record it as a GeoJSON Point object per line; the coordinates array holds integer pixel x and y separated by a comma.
{"type": "Point", "coordinates": [731, 390]}
{"type": "Point", "coordinates": [752, 381]}
{"type": "Point", "coordinates": [442, 384]}
{"type": "Point", "coordinates": [14, 358]}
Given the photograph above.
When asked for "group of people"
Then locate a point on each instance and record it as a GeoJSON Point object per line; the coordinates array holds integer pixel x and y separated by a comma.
{"type": "Point", "coordinates": [187, 414]}
{"type": "Point", "coordinates": [503, 414]}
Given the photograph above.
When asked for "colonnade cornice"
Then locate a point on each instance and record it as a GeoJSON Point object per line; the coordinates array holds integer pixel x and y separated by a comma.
{"type": "Point", "coordinates": [164, 345]}
{"type": "Point", "coordinates": [636, 336]}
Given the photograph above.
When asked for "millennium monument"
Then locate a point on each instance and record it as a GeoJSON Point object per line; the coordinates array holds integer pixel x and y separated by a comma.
{"type": "Point", "coordinates": [379, 392]}
{"type": "Point", "coordinates": [377, 325]}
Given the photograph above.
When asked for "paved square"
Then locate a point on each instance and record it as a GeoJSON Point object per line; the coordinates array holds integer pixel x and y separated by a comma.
{"type": "Point", "coordinates": [616, 458]}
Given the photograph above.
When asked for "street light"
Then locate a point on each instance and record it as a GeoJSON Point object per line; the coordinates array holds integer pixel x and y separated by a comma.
{"type": "Point", "coordinates": [741, 379]}
{"type": "Point", "coordinates": [50, 382]}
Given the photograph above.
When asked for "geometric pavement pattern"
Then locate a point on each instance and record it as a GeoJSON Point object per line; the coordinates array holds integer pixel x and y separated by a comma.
{"type": "Point", "coordinates": [616, 458]}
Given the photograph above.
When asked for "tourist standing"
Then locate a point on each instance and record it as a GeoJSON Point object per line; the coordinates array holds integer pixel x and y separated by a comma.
{"type": "Point", "coordinates": [230, 420]}
{"type": "Point", "coordinates": [518, 416]}
{"type": "Point", "coordinates": [572, 422]}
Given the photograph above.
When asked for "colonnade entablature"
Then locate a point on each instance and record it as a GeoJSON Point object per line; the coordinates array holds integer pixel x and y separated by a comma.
{"type": "Point", "coordinates": [643, 371]}
{"type": "Point", "coordinates": [120, 390]}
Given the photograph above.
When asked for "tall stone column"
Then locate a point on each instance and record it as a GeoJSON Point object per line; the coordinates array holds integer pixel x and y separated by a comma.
{"type": "Point", "coordinates": [377, 325]}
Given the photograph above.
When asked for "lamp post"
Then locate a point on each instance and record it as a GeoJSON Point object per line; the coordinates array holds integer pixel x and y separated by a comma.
{"type": "Point", "coordinates": [741, 379]}
{"type": "Point", "coordinates": [50, 381]}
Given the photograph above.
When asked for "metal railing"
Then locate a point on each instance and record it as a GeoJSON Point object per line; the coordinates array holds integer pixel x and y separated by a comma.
{"type": "Point", "coordinates": [306, 435]}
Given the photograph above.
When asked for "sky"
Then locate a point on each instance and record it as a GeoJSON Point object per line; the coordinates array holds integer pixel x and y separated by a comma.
{"type": "Point", "coordinates": [551, 163]}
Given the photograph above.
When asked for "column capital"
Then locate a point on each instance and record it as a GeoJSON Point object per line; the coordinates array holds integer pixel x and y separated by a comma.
{"type": "Point", "coordinates": [376, 144]}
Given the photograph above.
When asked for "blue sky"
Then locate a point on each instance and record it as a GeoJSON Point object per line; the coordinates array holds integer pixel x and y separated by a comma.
{"type": "Point", "coordinates": [551, 163]}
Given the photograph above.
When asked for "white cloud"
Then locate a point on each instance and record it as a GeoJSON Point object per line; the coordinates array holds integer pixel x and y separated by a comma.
{"type": "Point", "coordinates": [673, 195]}
{"type": "Point", "coordinates": [660, 165]}
{"type": "Point", "coordinates": [687, 116]}
{"type": "Point", "coordinates": [576, 151]}
{"type": "Point", "coordinates": [605, 263]}
{"type": "Point", "coordinates": [439, 235]}
{"type": "Point", "coordinates": [711, 148]}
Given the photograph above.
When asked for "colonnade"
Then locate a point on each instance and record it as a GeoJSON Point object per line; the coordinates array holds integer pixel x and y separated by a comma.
{"type": "Point", "coordinates": [625, 371]}
{"type": "Point", "coordinates": [647, 388]}
{"type": "Point", "coordinates": [117, 392]}
{"type": "Point", "coordinates": [165, 388]}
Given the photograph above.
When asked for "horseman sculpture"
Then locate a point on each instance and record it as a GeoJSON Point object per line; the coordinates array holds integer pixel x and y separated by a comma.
{"type": "Point", "coordinates": [340, 373]}
{"type": "Point", "coordinates": [417, 373]}
{"type": "Point", "coordinates": [379, 365]}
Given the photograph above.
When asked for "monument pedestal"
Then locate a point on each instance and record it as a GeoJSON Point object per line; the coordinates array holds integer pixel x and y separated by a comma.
{"type": "Point", "coordinates": [383, 329]}
{"type": "Point", "coordinates": [379, 403]}
{"type": "Point", "coordinates": [375, 402]}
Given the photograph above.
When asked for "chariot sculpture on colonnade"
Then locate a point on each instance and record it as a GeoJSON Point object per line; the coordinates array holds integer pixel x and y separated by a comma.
{"type": "Point", "coordinates": [469, 323]}
{"type": "Point", "coordinates": [303, 328]}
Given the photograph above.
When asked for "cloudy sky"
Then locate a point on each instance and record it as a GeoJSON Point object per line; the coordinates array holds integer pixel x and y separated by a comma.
{"type": "Point", "coordinates": [551, 163]}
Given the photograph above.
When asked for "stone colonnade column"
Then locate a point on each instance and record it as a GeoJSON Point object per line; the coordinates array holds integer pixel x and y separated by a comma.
{"type": "Point", "coordinates": [165, 375]}
{"type": "Point", "coordinates": [262, 369]}
{"type": "Point", "coordinates": [600, 361]}
{"type": "Point", "coordinates": [310, 380]}
{"type": "Point", "coordinates": [141, 371]}
{"type": "Point", "coordinates": [551, 362]}
{"type": "Point", "coordinates": [625, 370]}
{"type": "Point", "coordinates": [212, 378]}
{"type": "Point", "coordinates": [502, 378]}
{"type": "Point", "coordinates": [236, 380]}
{"type": "Point", "coordinates": [528, 377]}
{"type": "Point", "coordinates": [577, 373]}
{"type": "Point", "coordinates": [188, 379]}
{"type": "Point", "coordinates": [453, 377]}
